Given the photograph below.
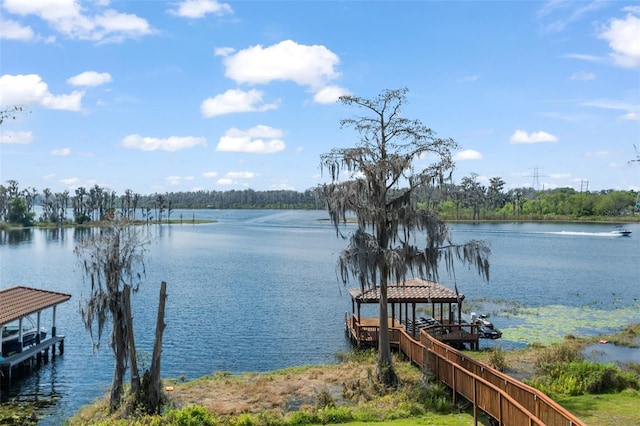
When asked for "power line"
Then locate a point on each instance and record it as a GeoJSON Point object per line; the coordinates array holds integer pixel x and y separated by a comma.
{"type": "Point", "coordinates": [536, 178]}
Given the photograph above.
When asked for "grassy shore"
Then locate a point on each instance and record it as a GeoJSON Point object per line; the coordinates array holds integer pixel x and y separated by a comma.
{"type": "Point", "coordinates": [346, 392]}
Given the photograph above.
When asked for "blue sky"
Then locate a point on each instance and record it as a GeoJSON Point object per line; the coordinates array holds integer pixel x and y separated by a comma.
{"type": "Point", "coordinates": [162, 96]}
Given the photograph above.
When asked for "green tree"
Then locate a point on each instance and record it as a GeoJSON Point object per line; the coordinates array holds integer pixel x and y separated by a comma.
{"type": "Point", "coordinates": [474, 194]}
{"type": "Point", "coordinates": [18, 212]}
{"type": "Point", "coordinates": [495, 194]}
{"type": "Point", "coordinates": [379, 191]}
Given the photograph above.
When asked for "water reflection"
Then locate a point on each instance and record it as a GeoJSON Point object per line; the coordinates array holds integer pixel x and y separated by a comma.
{"type": "Point", "coordinates": [34, 387]}
{"type": "Point", "coordinates": [612, 354]}
{"type": "Point", "coordinates": [54, 234]}
{"type": "Point", "coordinates": [16, 236]}
{"type": "Point", "coordinates": [82, 232]}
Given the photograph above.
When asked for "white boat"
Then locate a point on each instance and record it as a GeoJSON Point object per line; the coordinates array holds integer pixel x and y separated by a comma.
{"type": "Point", "coordinates": [11, 335]}
{"type": "Point", "coordinates": [620, 230]}
{"type": "Point", "coordinates": [486, 329]}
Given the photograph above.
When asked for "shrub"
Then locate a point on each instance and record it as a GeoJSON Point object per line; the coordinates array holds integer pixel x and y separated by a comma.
{"type": "Point", "coordinates": [566, 351]}
{"type": "Point", "coordinates": [300, 418]}
{"type": "Point", "coordinates": [324, 399]}
{"type": "Point", "coordinates": [336, 415]}
{"type": "Point", "coordinates": [579, 377]}
{"type": "Point", "coordinates": [269, 418]}
{"type": "Point", "coordinates": [192, 415]}
{"type": "Point", "coordinates": [244, 419]}
{"type": "Point", "coordinates": [497, 359]}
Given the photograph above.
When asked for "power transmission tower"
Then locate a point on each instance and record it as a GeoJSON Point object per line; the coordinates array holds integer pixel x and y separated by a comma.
{"type": "Point", "coordinates": [584, 186]}
{"type": "Point", "coordinates": [536, 178]}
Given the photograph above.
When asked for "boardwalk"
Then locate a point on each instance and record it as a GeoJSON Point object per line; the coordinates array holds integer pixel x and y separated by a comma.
{"type": "Point", "coordinates": [510, 402]}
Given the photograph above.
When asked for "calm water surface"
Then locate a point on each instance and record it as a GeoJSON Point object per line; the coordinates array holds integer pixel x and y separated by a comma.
{"type": "Point", "coordinates": [257, 291]}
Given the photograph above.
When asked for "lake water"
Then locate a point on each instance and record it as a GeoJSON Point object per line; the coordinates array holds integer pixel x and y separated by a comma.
{"type": "Point", "coordinates": [257, 291]}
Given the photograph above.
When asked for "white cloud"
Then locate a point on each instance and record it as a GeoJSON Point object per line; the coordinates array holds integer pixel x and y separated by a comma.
{"type": "Point", "coordinates": [176, 180]}
{"type": "Point", "coordinates": [86, 21]}
{"type": "Point", "coordinates": [313, 66]}
{"type": "Point", "coordinates": [282, 187]}
{"type": "Point", "coordinates": [241, 175]}
{"type": "Point", "coordinates": [200, 8]}
{"type": "Point", "coordinates": [12, 30]}
{"type": "Point", "coordinates": [31, 90]}
{"type": "Point", "coordinates": [598, 154]}
{"type": "Point", "coordinates": [631, 116]}
{"type": "Point", "coordinates": [234, 100]}
{"type": "Point", "coordinates": [623, 36]}
{"type": "Point", "coordinates": [223, 51]}
{"type": "Point", "coordinates": [467, 154]}
{"type": "Point", "coordinates": [520, 136]}
{"type": "Point", "coordinates": [583, 57]}
{"type": "Point", "coordinates": [558, 15]}
{"type": "Point", "coordinates": [632, 110]}
{"type": "Point", "coordinates": [173, 143]}
{"type": "Point", "coordinates": [209, 174]}
{"type": "Point", "coordinates": [17, 138]}
{"type": "Point", "coordinates": [582, 76]}
{"type": "Point", "coordinates": [90, 78]}
{"type": "Point", "coordinates": [329, 94]}
{"type": "Point", "coordinates": [257, 140]}
{"type": "Point", "coordinates": [236, 178]}
{"type": "Point", "coordinates": [61, 152]}
{"type": "Point", "coordinates": [70, 181]}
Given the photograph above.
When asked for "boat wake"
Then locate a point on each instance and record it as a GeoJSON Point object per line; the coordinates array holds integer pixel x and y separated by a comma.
{"type": "Point", "coordinates": [588, 234]}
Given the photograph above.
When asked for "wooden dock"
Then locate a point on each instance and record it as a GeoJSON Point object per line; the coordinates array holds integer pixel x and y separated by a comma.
{"type": "Point", "coordinates": [37, 353]}
{"type": "Point", "coordinates": [16, 304]}
{"type": "Point", "coordinates": [507, 400]}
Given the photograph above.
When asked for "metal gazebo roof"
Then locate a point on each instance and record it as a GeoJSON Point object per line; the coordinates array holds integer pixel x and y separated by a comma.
{"type": "Point", "coordinates": [18, 302]}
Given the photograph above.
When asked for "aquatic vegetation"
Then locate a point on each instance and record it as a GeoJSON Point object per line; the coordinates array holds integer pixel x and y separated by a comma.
{"type": "Point", "coordinates": [551, 323]}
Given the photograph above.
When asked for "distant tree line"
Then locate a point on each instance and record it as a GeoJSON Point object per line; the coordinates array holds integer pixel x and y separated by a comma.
{"type": "Point", "coordinates": [468, 200]}
{"type": "Point", "coordinates": [471, 200]}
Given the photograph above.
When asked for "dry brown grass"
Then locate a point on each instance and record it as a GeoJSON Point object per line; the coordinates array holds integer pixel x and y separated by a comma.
{"type": "Point", "coordinates": [253, 393]}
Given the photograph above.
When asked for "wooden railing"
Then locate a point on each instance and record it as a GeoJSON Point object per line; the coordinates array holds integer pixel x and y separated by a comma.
{"type": "Point", "coordinates": [504, 398]}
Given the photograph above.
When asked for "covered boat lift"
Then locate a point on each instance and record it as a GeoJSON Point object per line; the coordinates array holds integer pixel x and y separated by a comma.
{"type": "Point", "coordinates": [18, 302]}
{"type": "Point", "coordinates": [404, 297]}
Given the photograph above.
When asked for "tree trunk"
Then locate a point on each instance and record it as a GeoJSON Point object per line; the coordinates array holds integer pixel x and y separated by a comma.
{"type": "Point", "coordinates": [153, 386]}
{"type": "Point", "coordinates": [386, 373]}
{"type": "Point", "coordinates": [120, 353]}
{"type": "Point", "coordinates": [128, 324]}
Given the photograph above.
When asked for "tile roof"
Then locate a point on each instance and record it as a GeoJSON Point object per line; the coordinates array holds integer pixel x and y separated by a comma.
{"type": "Point", "coordinates": [17, 302]}
{"type": "Point", "coordinates": [412, 290]}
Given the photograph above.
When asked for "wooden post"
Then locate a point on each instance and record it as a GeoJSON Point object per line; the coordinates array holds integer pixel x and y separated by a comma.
{"type": "Point", "coordinates": [413, 314]}
{"type": "Point", "coordinates": [393, 314]}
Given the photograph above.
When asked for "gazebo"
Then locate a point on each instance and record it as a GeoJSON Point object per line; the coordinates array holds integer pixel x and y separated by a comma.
{"type": "Point", "coordinates": [16, 303]}
{"type": "Point", "coordinates": [444, 305]}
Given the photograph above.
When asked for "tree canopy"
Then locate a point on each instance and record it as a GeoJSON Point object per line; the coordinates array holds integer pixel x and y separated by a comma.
{"type": "Point", "coordinates": [383, 171]}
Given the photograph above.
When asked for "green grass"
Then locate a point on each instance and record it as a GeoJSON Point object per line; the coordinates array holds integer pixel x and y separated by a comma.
{"type": "Point", "coordinates": [621, 408]}
{"type": "Point", "coordinates": [461, 419]}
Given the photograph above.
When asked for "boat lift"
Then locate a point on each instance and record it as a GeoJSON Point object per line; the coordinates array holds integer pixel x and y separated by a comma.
{"type": "Point", "coordinates": [18, 302]}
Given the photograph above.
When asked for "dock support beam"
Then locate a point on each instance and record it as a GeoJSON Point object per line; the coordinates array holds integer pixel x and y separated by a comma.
{"type": "Point", "coordinates": [53, 326]}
